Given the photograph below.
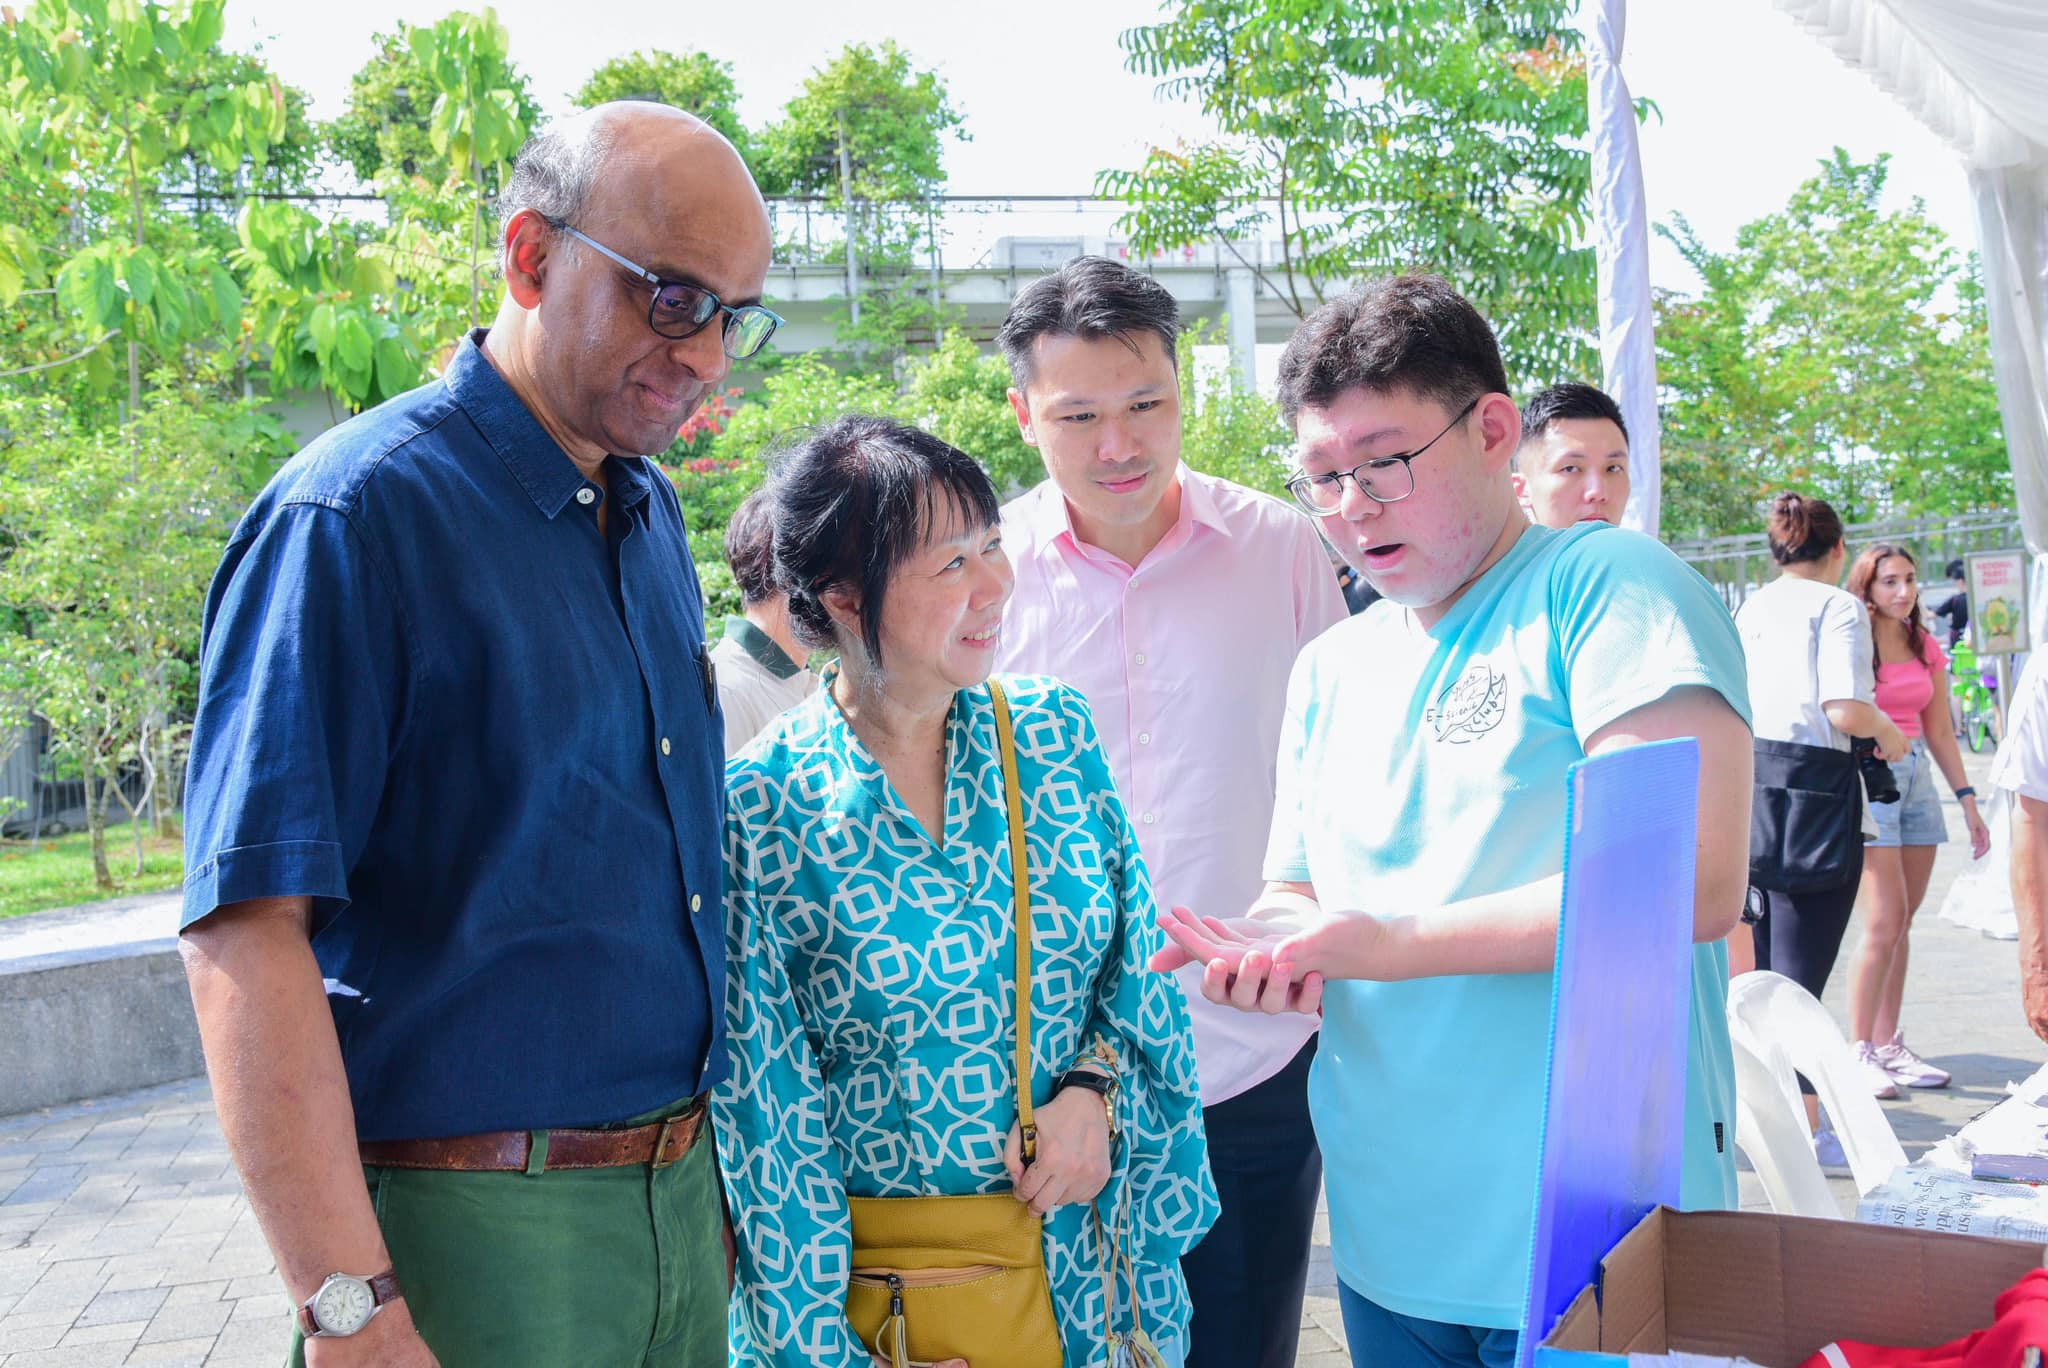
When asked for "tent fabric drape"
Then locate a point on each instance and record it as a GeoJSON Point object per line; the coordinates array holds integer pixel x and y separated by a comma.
{"type": "Point", "coordinates": [1621, 241]}
{"type": "Point", "coordinates": [1971, 70]}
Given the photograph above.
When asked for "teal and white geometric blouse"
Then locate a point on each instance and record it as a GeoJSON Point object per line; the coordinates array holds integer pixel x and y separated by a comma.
{"type": "Point", "coordinates": [871, 1001]}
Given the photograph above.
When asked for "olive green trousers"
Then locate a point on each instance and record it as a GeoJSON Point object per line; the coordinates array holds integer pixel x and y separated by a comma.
{"type": "Point", "coordinates": [579, 1268]}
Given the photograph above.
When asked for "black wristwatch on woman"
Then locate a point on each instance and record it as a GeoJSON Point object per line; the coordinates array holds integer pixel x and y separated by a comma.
{"type": "Point", "coordinates": [1101, 1083]}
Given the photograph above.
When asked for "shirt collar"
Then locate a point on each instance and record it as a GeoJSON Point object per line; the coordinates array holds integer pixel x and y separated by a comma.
{"type": "Point", "coordinates": [535, 459]}
{"type": "Point", "coordinates": [1049, 520]}
{"type": "Point", "coordinates": [761, 649]}
{"type": "Point", "coordinates": [1198, 502]}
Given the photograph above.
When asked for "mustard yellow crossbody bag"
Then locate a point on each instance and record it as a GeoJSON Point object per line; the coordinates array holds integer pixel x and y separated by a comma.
{"type": "Point", "coordinates": [963, 1277]}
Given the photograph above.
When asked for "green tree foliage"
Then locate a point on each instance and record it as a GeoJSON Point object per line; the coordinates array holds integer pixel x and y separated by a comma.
{"type": "Point", "coordinates": [361, 311]}
{"type": "Point", "coordinates": [892, 122]}
{"type": "Point", "coordinates": [388, 123]}
{"type": "Point", "coordinates": [1372, 136]}
{"type": "Point", "coordinates": [959, 395]}
{"type": "Point", "coordinates": [1840, 348]}
{"type": "Point", "coordinates": [1227, 429]}
{"type": "Point", "coordinates": [110, 549]}
{"type": "Point", "coordinates": [692, 81]}
{"type": "Point", "coordinates": [106, 101]}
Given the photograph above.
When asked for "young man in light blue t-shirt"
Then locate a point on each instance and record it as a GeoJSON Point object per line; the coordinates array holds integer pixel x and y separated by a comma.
{"type": "Point", "coordinates": [1418, 838]}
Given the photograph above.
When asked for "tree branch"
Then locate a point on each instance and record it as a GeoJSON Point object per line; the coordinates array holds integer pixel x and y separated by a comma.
{"type": "Point", "coordinates": [65, 361]}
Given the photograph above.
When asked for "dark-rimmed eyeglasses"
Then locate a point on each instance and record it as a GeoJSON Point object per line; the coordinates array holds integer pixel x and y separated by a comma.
{"type": "Point", "coordinates": [679, 310]}
{"type": "Point", "coordinates": [1383, 479]}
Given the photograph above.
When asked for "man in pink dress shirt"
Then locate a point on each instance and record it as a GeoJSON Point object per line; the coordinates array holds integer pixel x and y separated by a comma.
{"type": "Point", "coordinates": [1176, 603]}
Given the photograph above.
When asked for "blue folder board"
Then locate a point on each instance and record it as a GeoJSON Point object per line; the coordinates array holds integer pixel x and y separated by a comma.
{"type": "Point", "coordinates": [1620, 1002]}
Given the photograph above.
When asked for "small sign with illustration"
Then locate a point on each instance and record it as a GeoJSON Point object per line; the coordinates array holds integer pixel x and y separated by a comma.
{"type": "Point", "coordinates": [1998, 601]}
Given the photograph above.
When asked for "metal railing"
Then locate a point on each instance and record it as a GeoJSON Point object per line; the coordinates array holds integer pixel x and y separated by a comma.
{"type": "Point", "coordinates": [1738, 566]}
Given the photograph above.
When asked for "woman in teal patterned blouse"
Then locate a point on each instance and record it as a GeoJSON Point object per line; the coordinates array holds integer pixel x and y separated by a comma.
{"type": "Point", "coordinates": [870, 927]}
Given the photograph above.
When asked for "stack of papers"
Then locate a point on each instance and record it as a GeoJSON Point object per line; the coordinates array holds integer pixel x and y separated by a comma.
{"type": "Point", "coordinates": [1942, 1200]}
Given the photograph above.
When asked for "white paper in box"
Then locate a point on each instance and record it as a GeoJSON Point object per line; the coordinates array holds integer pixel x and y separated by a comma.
{"type": "Point", "coordinates": [1952, 1203]}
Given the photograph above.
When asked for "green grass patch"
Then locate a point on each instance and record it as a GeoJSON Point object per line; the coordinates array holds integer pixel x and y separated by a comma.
{"type": "Point", "coordinates": [57, 871]}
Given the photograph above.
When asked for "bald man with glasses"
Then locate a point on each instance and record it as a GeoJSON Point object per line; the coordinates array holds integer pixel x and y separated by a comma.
{"type": "Point", "coordinates": [451, 917]}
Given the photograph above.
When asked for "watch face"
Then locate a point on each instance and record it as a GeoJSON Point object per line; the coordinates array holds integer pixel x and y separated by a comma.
{"type": "Point", "coordinates": [343, 1305]}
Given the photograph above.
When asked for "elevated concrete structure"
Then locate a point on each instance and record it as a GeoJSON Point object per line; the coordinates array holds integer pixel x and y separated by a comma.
{"type": "Point", "coordinates": [1212, 284]}
{"type": "Point", "coordinates": [93, 1001]}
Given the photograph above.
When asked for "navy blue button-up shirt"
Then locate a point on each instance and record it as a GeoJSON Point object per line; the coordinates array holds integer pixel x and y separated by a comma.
{"type": "Point", "coordinates": [483, 737]}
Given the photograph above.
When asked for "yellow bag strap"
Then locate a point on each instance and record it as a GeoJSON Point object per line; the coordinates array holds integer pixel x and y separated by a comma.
{"type": "Point", "coordinates": [1020, 876]}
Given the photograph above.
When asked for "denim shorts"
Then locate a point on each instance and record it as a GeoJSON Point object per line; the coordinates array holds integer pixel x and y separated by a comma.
{"type": "Point", "coordinates": [1916, 819]}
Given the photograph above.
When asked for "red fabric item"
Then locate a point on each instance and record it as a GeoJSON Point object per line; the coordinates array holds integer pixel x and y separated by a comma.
{"type": "Point", "coordinates": [2022, 1311]}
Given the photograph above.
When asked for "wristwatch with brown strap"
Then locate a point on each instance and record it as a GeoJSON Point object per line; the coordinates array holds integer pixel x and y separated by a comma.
{"type": "Point", "coordinates": [346, 1303]}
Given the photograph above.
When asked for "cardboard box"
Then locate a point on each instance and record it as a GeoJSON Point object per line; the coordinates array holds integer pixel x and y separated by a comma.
{"type": "Point", "coordinates": [1774, 1289]}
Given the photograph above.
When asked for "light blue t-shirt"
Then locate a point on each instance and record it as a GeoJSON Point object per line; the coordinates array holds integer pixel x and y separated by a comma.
{"type": "Point", "coordinates": [1418, 768]}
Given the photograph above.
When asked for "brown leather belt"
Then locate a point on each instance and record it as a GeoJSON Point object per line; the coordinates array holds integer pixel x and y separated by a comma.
{"type": "Point", "coordinates": [657, 1145]}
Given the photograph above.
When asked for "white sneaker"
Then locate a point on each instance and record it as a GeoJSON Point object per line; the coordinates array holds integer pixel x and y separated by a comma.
{"type": "Point", "coordinates": [1906, 1068]}
{"type": "Point", "coordinates": [1827, 1147]}
{"type": "Point", "coordinates": [1875, 1073]}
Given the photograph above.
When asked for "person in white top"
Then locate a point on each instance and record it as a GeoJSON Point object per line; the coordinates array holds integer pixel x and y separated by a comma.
{"type": "Point", "coordinates": [2022, 768]}
{"type": "Point", "coordinates": [1807, 645]}
{"type": "Point", "coordinates": [759, 665]}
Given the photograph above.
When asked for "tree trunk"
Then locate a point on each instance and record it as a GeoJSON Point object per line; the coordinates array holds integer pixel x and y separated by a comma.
{"type": "Point", "coordinates": [165, 787]}
{"type": "Point", "coordinates": [134, 348]}
{"type": "Point", "coordinates": [145, 800]}
{"type": "Point", "coordinates": [96, 818]}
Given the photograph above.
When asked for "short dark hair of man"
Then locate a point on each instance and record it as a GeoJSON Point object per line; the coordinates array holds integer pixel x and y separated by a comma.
{"type": "Point", "coordinates": [1406, 332]}
{"type": "Point", "coordinates": [750, 547]}
{"type": "Point", "coordinates": [1089, 297]}
{"type": "Point", "coordinates": [1956, 570]}
{"type": "Point", "coordinates": [852, 501]}
{"type": "Point", "coordinates": [1569, 400]}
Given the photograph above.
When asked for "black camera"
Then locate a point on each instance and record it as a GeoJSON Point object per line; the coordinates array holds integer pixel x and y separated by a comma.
{"type": "Point", "coordinates": [1878, 783]}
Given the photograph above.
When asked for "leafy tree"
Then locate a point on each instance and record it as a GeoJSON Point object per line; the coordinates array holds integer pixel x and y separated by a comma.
{"type": "Point", "coordinates": [867, 133]}
{"type": "Point", "coordinates": [388, 122]}
{"type": "Point", "coordinates": [104, 103]}
{"type": "Point", "coordinates": [110, 550]}
{"type": "Point", "coordinates": [956, 393]}
{"type": "Point", "coordinates": [1372, 136]}
{"type": "Point", "coordinates": [693, 81]}
{"type": "Point", "coordinates": [291, 163]}
{"type": "Point", "coordinates": [1227, 429]}
{"type": "Point", "coordinates": [361, 311]}
{"type": "Point", "coordinates": [325, 307]}
{"type": "Point", "coordinates": [1840, 347]}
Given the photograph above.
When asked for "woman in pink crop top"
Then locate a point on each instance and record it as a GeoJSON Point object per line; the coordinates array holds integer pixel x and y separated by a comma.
{"type": "Point", "coordinates": [1912, 689]}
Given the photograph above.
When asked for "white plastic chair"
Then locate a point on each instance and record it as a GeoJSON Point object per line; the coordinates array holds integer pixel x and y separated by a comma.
{"type": "Point", "coordinates": [1770, 1130]}
{"type": "Point", "coordinates": [1786, 1028]}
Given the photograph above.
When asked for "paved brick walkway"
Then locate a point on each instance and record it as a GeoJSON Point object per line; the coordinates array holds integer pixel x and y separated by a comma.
{"type": "Point", "coordinates": [124, 1238]}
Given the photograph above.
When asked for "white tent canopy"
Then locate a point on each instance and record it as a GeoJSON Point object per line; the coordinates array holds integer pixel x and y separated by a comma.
{"type": "Point", "coordinates": [1976, 72]}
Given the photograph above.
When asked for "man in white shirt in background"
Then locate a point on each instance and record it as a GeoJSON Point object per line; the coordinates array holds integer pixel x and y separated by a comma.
{"type": "Point", "coordinates": [1176, 602]}
{"type": "Point", "coordinates": [759, 663]}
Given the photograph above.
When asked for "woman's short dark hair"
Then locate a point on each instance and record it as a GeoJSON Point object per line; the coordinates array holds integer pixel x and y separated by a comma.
{"type": "Point", "coordinates": [852, 501]}
{"type": "Point", "coordinates": [1407, 332]}
{"type": "Point", "coordinates": [1802, 529]}
{"type": "Point", "coordinates": [1956, 570]}
{"type": "Point", "coordinates": [1089, 297]}
{"type": "Point", "coordinates": [750, 548]}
